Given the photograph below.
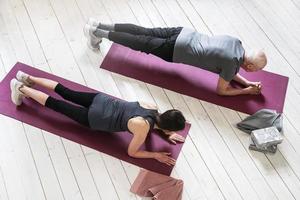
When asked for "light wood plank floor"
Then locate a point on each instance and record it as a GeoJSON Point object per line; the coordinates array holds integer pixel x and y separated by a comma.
{"type": "Point", "coordinates": [215, 162]}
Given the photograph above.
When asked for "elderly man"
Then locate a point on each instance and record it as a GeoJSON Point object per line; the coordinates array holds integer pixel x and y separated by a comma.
{"type": "Point", "coordinates": [220, 54]}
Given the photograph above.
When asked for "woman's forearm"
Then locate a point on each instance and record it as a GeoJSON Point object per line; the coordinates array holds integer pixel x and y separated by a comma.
{"type": "Point", "coordinates": [143, 154]}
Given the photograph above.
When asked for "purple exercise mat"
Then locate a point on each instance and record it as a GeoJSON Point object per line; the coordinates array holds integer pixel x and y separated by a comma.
{"type": "Point", "coordinates": [195, 82]}
{"type": "Point", "coordinates": [114, 144]}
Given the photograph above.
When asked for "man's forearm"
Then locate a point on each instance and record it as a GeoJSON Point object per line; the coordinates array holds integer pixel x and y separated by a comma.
{"type": "Point", "coordinates": [240, 79]}
{"type": "Point", "coordinates": [230, 91]}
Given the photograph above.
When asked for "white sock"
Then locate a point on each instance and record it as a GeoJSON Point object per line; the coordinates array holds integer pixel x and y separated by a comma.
{"type": "Point", "coordinates": [107, 27]}
{"type": "Point", "coordinates": [101, 33]}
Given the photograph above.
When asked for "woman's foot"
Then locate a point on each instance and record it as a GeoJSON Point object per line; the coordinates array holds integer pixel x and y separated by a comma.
{"type": "Point", "coordinates": [93, 41]}
{"type": "Point", "coordinates": [24, 78]}
{"type": "Point", "coordinates": [16, 94]}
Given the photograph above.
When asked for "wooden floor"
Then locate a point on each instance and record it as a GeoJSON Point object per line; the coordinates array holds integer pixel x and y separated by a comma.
{"type": "Point", "coordinates": [215, 162]}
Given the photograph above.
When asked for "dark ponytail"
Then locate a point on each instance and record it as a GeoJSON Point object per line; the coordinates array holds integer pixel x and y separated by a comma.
{"type": "Point", "coordinates": [171, 120]}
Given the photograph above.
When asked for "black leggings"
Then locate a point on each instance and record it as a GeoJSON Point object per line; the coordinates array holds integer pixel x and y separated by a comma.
{"type": "Point", "coordinates": [157, 41]}
{"type": "Point", "coordinates": [77, 113]}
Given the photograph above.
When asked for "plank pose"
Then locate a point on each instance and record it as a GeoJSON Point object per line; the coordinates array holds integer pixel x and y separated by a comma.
{"type": "Point", "coordinates": [220, 54]}
{"type": "Point", "coordinates": [100, 111]}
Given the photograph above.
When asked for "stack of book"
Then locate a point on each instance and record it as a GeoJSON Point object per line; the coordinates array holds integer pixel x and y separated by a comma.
{"type": "Point", "coordinates": [265, 140]}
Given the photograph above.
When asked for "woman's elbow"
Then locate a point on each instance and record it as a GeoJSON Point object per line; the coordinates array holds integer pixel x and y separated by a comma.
{"type": "Point", "coordinates": [131, 153]}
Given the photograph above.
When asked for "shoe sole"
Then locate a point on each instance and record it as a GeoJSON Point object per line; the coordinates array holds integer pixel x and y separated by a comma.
{"type": "Point", "coordinates": [88, 36]}
{"type": "Point", "coordinates": [86, 33]}
{"type": "Point", "coordinates": [91, 47]}
{"type": "Point", "coordinates": [89, 21]}
{"type": "Point", "coordinates": [12, 94]}
{"type": "Point", "coordinates": [24, 81]}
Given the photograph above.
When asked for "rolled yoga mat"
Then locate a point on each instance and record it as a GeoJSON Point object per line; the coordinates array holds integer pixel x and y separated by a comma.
{"type": "Point", "coordinates": [195, 82]}
{"type": "Point", "coordinates": [114, 144]}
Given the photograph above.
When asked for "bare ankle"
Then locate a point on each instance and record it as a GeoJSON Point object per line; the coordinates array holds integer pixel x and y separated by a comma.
{"type": "Point", "coordinates": [29, 79]}
{"type": "Point", "coordinates": [21, 87]}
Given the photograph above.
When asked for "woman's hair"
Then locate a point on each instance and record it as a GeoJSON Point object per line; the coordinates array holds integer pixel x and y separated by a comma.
{"type": "Point", "coordinates": [172, 120]}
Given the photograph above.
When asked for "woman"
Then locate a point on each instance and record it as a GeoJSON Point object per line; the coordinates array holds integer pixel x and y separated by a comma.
{"type": "Point", "coordinates": [99, 111]}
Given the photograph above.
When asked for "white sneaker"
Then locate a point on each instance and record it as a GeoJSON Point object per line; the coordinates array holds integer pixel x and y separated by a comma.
{"type": "Point", "coordinates": [92, 22]}
{"type": "Point", "coordinates": [93, 41]}
{"type": "Point", "coordinates": [24, 78]}
{"type": "Point", "coordinates": [16, 94]}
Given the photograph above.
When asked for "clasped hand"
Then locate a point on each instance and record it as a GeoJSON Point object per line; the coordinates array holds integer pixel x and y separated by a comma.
{"type": "Point", "coordinates": [254, 87]}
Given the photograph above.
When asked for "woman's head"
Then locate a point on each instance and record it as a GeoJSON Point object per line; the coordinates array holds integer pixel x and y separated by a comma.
{"type": "Point", "coordinates": [171, 120]}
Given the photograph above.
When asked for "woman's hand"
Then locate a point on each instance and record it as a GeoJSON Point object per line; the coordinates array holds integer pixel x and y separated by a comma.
{"type": "Point", "coordinates": [174, 138]}
{"type": "Point", "coordinates": [165, 158]}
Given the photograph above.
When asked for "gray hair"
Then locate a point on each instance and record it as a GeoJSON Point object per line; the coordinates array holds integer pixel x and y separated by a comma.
{"type": "Point", "coordinates": [257, 58]}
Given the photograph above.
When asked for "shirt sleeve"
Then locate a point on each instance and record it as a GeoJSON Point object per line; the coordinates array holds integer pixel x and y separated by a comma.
{"type": "Point", "coordinates": [228, 72]}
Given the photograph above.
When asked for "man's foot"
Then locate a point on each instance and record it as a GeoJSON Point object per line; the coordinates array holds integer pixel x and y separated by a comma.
{"type": "Point", "coordinates": [16, 94]}
{"type": "Point", "coordinates": [92, 22]}
{"type": "Point", "coordinates": [93, 42]}
{"type": "Point", "coordinates": [24, 78]}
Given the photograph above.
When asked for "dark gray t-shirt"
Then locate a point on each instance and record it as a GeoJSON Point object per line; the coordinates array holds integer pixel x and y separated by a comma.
{"type": "Point", "coordinates": [220, 54]}
{"type": "Point", "coordinates": [107, 113]}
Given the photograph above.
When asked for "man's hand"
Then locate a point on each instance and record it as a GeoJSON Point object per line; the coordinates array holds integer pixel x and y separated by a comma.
{"type": "Point", "coordinates": [165, 158]}
{"type": "Point", "coordinates": [223, 88]}
{"type": "Point", "coordinates": [253, 89]}
{"type": "Point", "coordinates": [256, 84]}
{"type": "Point", "coordinates": [240, 79]}
{"type": "Point", "coordinates": [174, 138]}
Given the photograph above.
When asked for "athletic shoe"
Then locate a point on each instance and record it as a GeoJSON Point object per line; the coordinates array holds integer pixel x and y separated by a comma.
{"type": "Point", "coordinates": [92, 22]}
{"type": "Point", "coordinates": [24, 78]}
{"type": "Point", "coordinates": [93, 42]}
{"type": "Point", "coordinates": [16, 94]}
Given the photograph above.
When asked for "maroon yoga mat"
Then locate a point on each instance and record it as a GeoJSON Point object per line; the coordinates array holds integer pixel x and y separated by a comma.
{"type": "Point", "coordinates": [114, 144]}
{"type": "Point", "coordinates": [195, 82]}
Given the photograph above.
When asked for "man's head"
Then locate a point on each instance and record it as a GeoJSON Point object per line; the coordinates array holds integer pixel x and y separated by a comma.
{"type": "Point", "coordinates": [254, 61]}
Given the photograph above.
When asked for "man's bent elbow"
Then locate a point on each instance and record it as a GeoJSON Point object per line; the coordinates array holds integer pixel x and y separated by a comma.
{"type": "Point", "coordinates": [221, 92]}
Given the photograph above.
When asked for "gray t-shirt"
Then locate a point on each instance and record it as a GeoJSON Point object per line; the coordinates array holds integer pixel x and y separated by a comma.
{"type": "Point", "coordinates": [220, 54]}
